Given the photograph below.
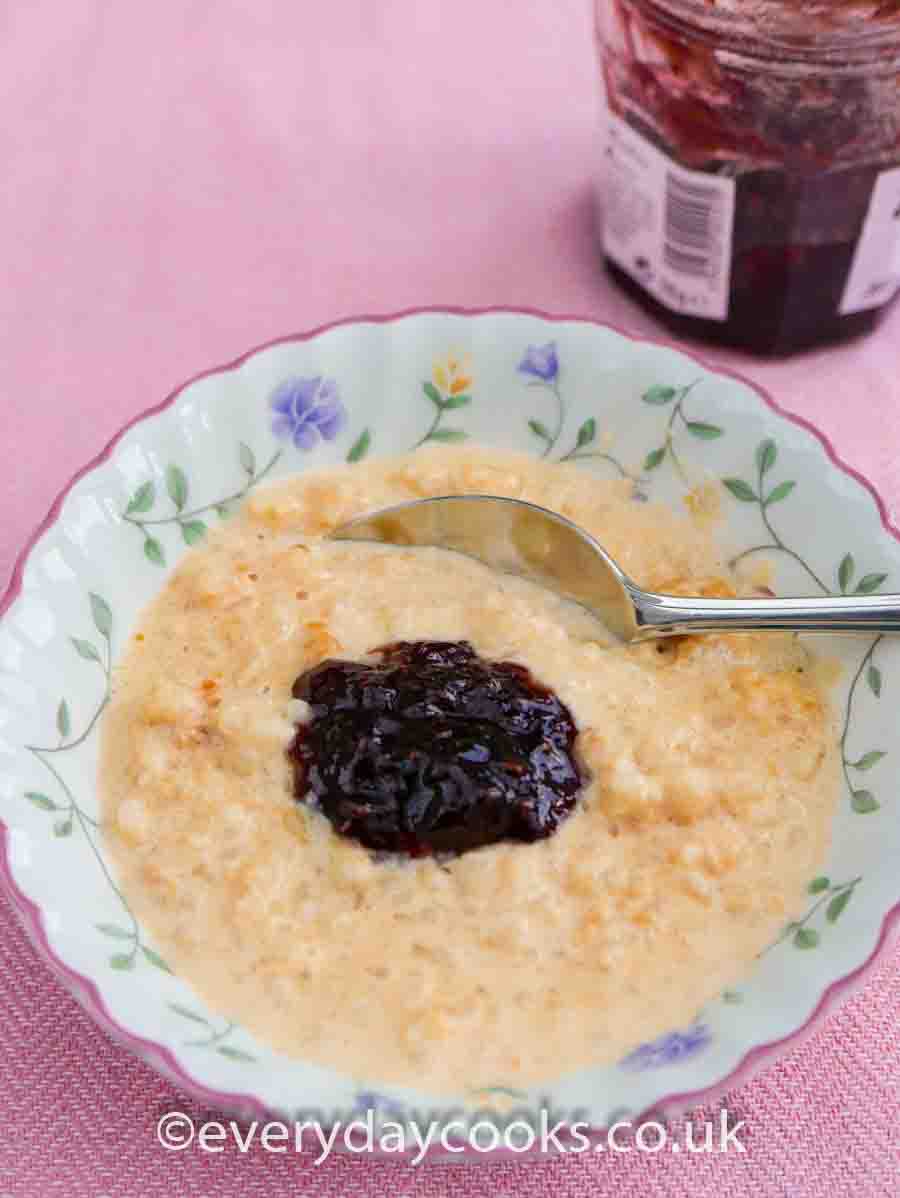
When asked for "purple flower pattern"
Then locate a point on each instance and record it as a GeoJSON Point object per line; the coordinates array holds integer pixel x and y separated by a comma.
{"type": "Point", "coordinates": [541, 362]}
{"type": "Point", "coordinates": [670, 1049]}
{"type": "Point", "coordinates": [306, 411]}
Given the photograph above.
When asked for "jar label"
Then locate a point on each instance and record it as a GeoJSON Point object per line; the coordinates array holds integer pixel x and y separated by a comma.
{"type": "Point", "coordinates": [668, 227]}
{"type": "Point", "coordinates": [875, 273]}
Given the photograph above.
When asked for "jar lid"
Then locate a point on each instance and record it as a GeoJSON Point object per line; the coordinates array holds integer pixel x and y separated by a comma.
{"type": "Point", "coordinates": [826, 31]}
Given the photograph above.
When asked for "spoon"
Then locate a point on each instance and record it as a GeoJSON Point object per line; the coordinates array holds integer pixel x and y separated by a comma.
{"type": "Point", "coordinates": [532, 542]}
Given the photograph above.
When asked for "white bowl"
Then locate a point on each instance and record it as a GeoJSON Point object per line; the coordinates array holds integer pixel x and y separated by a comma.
{"type": "Point", "coordinates": [555, 387]}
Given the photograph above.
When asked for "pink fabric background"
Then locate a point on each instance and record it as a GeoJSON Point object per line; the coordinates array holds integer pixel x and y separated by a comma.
{"type": "Point", "coordinates": [184, 179]}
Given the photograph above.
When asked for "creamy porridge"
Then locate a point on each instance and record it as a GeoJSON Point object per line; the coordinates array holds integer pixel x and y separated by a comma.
{"type": "Point", "coordinates": [710, 777]}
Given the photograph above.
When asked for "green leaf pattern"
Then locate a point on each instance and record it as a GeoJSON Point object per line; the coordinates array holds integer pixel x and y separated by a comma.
{"type": "Point", "coordinates": [675, 398]}
{"type": "Point", "coordinates": [69, 815]}
{"type": "Point", "coordinates": [63, 720]}
{"type": "Point", "coordinates": [360, 446]}
{"type": "Point", "coordinates": [247, 458]}
{"type": "Point", "coordinates": [212, 1040]}
{"type": "Point", "coordinates": [833, 897]}
{"type": "Point", "coordinates": [143, 499]}
{"type": "Point", "coordinates": [177, 486]}
{"type": "Point", "coordinates": [141, 513]}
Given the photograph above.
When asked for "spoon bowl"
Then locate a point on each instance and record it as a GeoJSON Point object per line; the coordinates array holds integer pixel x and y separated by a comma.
{"type": "Point", "coordinates": [533, 542]}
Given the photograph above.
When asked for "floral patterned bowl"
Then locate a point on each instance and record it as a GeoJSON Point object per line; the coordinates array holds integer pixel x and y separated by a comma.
{"type": "Point", "coordinates": [567, 390]}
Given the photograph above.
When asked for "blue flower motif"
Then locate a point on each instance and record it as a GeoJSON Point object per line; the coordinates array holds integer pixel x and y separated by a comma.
{"type": "Point", "coordinates": [671, 1049]}
{"type": "Point", "coordinates": [306, 410]}
{"type": "Point", "coordinates": [541, 362]}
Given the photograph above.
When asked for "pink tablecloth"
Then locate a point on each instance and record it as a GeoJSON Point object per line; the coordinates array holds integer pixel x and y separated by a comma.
{"type": "Point", "coordinates": [184, 179]}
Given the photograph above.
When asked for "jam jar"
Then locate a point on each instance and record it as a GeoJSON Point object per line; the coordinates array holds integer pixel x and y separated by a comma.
{"type": "Point", "coordinates": [750, 186]}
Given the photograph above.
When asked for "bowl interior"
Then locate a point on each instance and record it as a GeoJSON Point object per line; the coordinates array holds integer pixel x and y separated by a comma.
{"type": "Point", "coordinates": [562, 389]}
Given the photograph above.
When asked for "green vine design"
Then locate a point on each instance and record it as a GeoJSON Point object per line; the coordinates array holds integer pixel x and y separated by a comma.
{"type": "Point", "coordinates": [862, 800]}
{"type": "Point", "coordinates": [540, 430]}
{"type": "Point", "coordinates": [212, 1040]}
{"type": "Point", "coordinates": [766, 456]}
{"type": "Point", "coordinates": [584, 438]}
{"type": "Point", "coordinates": [658, 395]}
{"type": "Point", "coordinates": [187, 519]}
{"type": "Point", "coordinates": [69, 813]}
{"type": "Point", "coordinates": [586, 446]}
{"type": "Point", "coordinates": [662, 396]}
{"type": "Point", "coordinates": [580, 451]}
{"type": "Point", "coordinates": [835, 895]}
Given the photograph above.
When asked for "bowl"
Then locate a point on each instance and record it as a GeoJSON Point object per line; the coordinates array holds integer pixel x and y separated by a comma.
{"type": "Point", "coordinates": [563, 389]}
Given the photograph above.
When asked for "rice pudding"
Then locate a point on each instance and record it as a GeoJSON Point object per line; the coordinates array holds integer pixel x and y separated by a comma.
{"type": "Point", "coordinates": [708, 772]}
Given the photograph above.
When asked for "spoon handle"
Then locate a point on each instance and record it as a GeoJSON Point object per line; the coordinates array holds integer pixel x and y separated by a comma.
{"type": "Point", "coordinates": [669, 615]}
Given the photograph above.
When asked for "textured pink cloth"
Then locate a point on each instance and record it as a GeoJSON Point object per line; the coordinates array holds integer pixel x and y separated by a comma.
{"type": "Point", "coordinates": [184, 180]}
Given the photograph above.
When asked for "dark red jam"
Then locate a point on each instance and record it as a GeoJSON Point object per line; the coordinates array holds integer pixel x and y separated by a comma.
{"type": "Point", "coordinates": [433, 749]}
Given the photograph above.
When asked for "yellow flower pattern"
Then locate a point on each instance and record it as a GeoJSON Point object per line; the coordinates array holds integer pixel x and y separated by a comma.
{"type": "Point", "coordinates": [448, 388]}
{"type": "Point", "coordinates": [452, 375]}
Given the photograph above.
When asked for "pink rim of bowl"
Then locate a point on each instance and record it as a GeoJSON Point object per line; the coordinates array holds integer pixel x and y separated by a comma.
{"type": "Point", "coordinates": [161, 1058]}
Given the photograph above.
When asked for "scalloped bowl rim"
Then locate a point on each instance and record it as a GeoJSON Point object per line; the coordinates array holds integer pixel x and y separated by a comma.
{"type": "Point", "coordinates": [162, 1059]}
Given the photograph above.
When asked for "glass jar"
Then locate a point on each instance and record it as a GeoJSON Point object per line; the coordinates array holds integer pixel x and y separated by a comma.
{"type": "Point", "coordinates": [751, 182]}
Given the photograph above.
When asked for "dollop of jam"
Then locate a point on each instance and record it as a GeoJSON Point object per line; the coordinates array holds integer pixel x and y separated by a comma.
{"type": "Point", "coordinates": [433, 749]}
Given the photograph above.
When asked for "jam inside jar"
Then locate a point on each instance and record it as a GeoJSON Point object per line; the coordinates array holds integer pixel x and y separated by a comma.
{"type": "Point", "coordinates": [751, 182]}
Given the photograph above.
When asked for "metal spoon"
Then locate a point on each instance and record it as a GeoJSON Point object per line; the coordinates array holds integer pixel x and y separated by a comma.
{"type": "Point", "coordinates": [530, 541]}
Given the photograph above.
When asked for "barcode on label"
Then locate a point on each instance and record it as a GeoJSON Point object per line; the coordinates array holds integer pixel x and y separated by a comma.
{"type": "Point", "coordinates": [668, 227]}
{"type": "Point", "coordinates": [692, 222]}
